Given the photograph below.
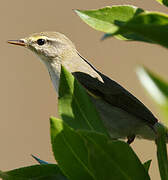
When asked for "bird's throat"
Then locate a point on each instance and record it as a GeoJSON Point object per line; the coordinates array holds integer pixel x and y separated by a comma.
{"type": "Point", "coordinates": [54, 69]}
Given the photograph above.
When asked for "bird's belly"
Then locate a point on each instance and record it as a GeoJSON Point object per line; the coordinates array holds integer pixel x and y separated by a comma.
{"type": "Point", "coordinates": [121, 124]}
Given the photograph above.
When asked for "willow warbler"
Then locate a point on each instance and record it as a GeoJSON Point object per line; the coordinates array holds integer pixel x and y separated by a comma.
{"type": "Point", "coordinates": [123, 114]}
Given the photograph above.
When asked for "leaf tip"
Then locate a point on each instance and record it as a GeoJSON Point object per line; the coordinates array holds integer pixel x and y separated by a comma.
{"type": "Point", "coordinates": [63, 70]}
{"type": "Point", "coordinates": [80, 13]}
{"type": "Point", "coordinates": [140, 70]}
{"type": "Point", "coordinates": [52, 121]}
{"type": "Point", "coordinates": [77, 11]}
{"type": "Point", "coordinates": [105, 36]}
{"type": "Point", "coordinates": [38, 160]}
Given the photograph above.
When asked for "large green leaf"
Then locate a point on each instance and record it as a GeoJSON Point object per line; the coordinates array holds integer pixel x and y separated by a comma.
{"type": "Point", "coordinates": [75, 106]}
{"type": "Point", "coordinates": [70, 151]}
{"type": "Point", "coordinates": [157, 89]}
{"type": "Point", "coordinates": [89, 155]}
{"type": "Point", "coordinates": [36, 172]}
{"type": "Point", "coordinates": [108, 18]}
{"type": "Point", "coordinates": [110, 159]}
{"type": "Point", "coordinates": [162, 151]}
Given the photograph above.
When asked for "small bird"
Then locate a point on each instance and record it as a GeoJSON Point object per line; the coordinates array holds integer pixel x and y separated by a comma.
{"type": "Point", "coordinates": [123, 114]}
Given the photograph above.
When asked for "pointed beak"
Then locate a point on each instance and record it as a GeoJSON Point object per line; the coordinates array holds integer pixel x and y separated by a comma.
{"type": "Point", "coordinates": [20, 42]}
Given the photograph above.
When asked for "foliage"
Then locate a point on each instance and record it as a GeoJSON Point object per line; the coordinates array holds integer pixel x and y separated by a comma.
{"type": "Point", "coordinates": [81, 145]}
{"type": "Point", "coordinates": [129, 23]}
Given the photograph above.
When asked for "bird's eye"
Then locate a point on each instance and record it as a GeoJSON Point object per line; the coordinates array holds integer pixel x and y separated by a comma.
{"type": "Point", "coordinates": [41, 42]}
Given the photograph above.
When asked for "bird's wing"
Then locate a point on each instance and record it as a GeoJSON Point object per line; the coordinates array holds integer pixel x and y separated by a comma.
{"type": "Point", "coordinates": [111, 92]}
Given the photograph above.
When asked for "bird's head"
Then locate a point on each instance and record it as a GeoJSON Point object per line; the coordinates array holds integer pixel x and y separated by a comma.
{"type": "Point", "coordinates": [48, 45]}
{"type": "Point", "coordinates": [55, 49]}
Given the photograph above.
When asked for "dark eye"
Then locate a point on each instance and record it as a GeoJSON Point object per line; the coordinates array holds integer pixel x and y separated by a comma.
{"type": "Point", "coordinates": [41, 42]}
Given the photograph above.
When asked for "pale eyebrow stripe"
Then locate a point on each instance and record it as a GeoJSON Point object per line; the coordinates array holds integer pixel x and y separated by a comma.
{"type": "Point", "coordinates": [38, 37]}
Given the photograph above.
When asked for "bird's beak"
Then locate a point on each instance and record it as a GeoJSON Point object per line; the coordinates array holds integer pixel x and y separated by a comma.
{"type": "Point", "coordinates": [20, 42]}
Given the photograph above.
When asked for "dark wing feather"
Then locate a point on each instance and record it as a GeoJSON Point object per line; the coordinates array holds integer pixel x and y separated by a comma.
{"type": "Point", "coordinates": [111, 92]}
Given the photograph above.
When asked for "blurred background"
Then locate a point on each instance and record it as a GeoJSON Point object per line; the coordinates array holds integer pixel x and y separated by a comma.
{"type": "Point", "coordinates": [27, 98]}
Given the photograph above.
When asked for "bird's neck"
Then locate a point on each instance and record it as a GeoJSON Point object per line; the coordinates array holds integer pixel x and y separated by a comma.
{"type": "Point", "coordinates": [73, 63]}
{"type": "Point", "coordinates": [54, 69]}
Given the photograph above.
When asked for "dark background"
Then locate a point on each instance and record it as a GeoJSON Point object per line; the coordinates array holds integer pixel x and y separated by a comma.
{"type": "Point", "coordinates": [27, 97]}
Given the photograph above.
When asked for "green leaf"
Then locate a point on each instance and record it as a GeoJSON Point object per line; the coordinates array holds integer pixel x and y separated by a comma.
{"type": "Point", "coordinates": [129, 23]}
{"type": "Point", "coordinates": [36, 172]}
{"type": "Point", "coordinates": [110, 159]}
{"type": "Point", "coordinates": [162, 151]}
{"type": "Point", "coordinates": [87, 155]}
{"type": "Point", "coordinates": [157, 89]}
{"type": "Point", "coordinates": [150, 25]}
{"type": "Point", "coordinates": [147, 165]}
{"type": "Point", "coordinates": [75, 106]}
{"type": "Point", "coordinates": [106, 19]}
{"type": "Point", "coordinates": [163, 2]}
{"type": "Point", "coordinates": [70, 151]}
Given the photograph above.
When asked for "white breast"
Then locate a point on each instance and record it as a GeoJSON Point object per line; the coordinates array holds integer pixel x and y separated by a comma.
{"type": "Point", "coordinates": [54, 69]}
